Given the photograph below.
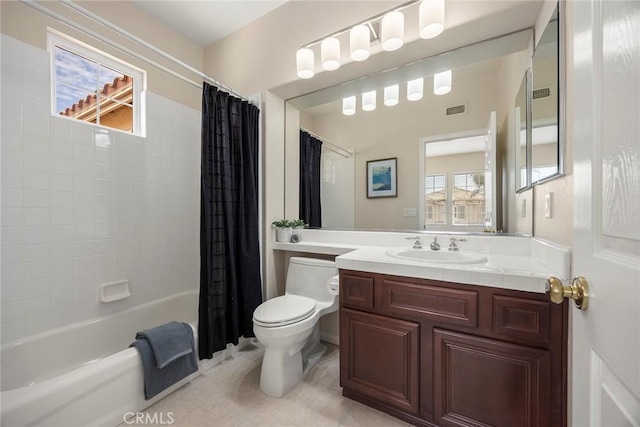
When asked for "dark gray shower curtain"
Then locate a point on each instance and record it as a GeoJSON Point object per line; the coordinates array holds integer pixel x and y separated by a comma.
{"type": "Point", "coordinates": [230, 286]}
{"type": "Point", "coordinates": [310, 209]}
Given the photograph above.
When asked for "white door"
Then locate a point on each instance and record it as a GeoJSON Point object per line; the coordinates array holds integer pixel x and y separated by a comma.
{"type": "Point", "coordinates": [605, 359]}
{"type": "Point", "coordinates": [490, 172]}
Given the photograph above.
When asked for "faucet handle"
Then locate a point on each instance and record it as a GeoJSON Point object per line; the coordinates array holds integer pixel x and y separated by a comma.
{"type": "Point", "coordinates": [412, 238]}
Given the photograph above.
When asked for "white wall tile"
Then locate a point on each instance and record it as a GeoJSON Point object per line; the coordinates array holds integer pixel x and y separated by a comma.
{"type": "Point", "coordinates": [37, 180]}
{"type": "Point", "coordinates": [11, 159]}
{"type": "Point", "coordinates": [79, 211]}
{"type": "Point", "coordinates": [11, 178]}
{"type": "Point", "coordinates": [12, 255]}
{"type": "Point", "coordinates": [12, 217]}
{"type": "Point", "coordinates": [11, 140]}
{"type": "Point", "coordinates": [35, 253]}
{"type": "Point", "coordinates": [37, 216]}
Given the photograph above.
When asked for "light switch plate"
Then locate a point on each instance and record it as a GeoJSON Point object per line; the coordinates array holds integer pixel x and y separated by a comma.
{"type": "Point", "coordinates": [523, 210]}
{"type": "Point", "coordinates": [410, 212]}
{"type": "Point", "coordinates": [548, 205]}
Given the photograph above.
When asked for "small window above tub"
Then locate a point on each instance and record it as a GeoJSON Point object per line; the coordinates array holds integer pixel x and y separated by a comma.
{"type": "Point", "coordinates": [94, 87]}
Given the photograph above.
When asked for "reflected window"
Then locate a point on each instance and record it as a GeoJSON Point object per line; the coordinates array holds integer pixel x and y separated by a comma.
{"type": "Point", "coordinates": [435, 199]}
{"type": "Point", "coordinates": [469, 206]}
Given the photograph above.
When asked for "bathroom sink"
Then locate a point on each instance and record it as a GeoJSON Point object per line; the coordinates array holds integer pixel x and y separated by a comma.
{"type": "Point", "coordinates": [437, 257]}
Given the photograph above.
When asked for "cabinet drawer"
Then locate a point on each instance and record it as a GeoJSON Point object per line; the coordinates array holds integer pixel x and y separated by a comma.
{"type": "Point", "coordinates": [521, 318]}
{"type": "Point", "coordinates": [439, 304]}
{"type": "Point", "coordinates": [356, 291]}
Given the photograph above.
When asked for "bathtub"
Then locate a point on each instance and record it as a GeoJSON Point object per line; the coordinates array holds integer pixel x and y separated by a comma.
{"type": "Point", "coordinates": [85, 374]}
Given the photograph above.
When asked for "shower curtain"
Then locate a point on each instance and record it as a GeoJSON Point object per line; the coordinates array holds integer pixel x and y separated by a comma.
{"type": "Point", "coordinates": [230, 286]}
{"type": "Point", "coordinates": [310, 209]}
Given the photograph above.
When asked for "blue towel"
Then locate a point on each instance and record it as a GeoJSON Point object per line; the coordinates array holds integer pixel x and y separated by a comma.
{"type": "Point", "coordinates": [155, 379]}
{"type": "Point", "coordinates": [169, 342]}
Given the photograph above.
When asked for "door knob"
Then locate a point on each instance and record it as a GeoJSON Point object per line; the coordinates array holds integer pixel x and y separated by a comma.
{"type": "Point", "coordinates": [578, 291]}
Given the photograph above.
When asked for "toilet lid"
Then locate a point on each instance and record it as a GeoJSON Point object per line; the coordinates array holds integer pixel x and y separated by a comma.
{"type": "Point", "coordinates": [284, 310]}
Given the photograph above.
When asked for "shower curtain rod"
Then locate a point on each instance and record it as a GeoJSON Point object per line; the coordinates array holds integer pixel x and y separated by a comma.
{"type": "Point", "coordinates": [330, 145]}
{"type": "Point", "coordinates": [132, 38]}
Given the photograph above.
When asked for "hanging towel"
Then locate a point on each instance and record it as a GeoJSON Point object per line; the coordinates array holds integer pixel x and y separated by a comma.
{"type": "Point", "coordinates": [169, 342]}
{"type": "Point", "coordinates": [171, 346]}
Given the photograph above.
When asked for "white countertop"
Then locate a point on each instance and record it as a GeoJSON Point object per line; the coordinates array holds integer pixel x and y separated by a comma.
{"type": "Point", "coordinates": [500, 271]}
{"type": "Point", "coordinates": [518, 263]}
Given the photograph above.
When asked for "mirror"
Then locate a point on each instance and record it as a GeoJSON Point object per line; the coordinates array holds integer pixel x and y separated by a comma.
{"type": "Point", "coordinates": [432, 139]}
{"type": "Point", "coordinates": [546, 159]}
{"type": "Point", "coordinates": [522, 135]}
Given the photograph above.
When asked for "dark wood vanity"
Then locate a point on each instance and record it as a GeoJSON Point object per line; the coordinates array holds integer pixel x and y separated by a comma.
{"type": "Point", "coordinates": [440, 353]}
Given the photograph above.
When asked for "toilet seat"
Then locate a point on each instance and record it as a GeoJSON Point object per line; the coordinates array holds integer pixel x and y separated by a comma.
{"type": "Point", "coordinates": [283, 310]}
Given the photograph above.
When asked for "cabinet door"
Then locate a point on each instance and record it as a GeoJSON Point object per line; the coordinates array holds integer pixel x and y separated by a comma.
{"type": "Point", "coordinates": [478, 381]}
{"type": "Point", "coordinates": [379, 358]}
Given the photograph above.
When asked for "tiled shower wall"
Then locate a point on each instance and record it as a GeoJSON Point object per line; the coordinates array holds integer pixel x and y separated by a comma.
{"type": "Point", "coordinates": [82, 206]}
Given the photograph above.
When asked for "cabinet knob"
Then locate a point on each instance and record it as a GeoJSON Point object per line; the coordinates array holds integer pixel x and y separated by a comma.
{"type": "Point", "coordinates": [578, 291]}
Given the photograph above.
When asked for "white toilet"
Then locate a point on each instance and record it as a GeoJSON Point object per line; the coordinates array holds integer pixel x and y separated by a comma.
{"type": "Point", "coordinates": [288, 328]}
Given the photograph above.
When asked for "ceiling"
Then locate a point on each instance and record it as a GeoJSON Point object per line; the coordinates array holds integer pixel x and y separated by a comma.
{"type": "Point", "coordinates": [206, 22]}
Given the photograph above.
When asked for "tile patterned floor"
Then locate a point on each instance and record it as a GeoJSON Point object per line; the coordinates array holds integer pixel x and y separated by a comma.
{"type": "Point", "coordinates": [229, 395]}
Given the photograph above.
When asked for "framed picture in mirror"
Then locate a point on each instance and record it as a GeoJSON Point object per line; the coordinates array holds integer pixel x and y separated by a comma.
{"type": "Point", "coordinates": [382, 178]}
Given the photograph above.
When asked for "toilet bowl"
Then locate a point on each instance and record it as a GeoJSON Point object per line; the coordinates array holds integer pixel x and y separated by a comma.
{"type": "Point", "coordinates": [288, 328]}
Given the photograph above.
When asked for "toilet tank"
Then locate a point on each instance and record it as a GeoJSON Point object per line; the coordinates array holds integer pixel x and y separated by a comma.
{"type": "Point", "coordinates": [308, 277]}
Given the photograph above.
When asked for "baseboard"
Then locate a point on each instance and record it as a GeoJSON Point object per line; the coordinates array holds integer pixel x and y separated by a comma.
{"type": "Point", "coordinates": [330, 338]}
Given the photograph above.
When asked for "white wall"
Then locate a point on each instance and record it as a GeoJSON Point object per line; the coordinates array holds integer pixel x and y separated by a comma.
{"type": "Point", "coordinates": [77, 213]}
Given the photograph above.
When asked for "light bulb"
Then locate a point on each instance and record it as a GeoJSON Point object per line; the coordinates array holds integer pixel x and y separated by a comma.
{"type": "Point", "coordinates": [442, 83]}
{"type": "Point", "coordinates": [392, 31]}
{"type": "Point", "coordinates": [305, 63]}
{"type": "Point", "coordinates": [414, 89]}
{"type": "Point", "coordinates": [369, 101]}
{"type": "Point", "coordinates": [359, 40]}
{"type": "Point", "coordinates": [431, 18]}
{"type": "Point", "coordinates": [330, 52]}
{"type": "Point", "coordinates": [391, 95]}
{"type": "Point", "coordinates": [349, 106]}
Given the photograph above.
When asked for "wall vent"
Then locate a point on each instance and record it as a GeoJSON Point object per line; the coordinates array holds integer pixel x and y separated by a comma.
{"type": "Point", "coordinates": [457, 109]}
{"type": "Point", "coordinates": [541, 93]}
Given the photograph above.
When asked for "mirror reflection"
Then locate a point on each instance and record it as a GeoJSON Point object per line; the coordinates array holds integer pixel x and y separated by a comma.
{"type": "Point", "coordinates": [545, 156]}
{"type": "Point", "coordinates": [449, 167]}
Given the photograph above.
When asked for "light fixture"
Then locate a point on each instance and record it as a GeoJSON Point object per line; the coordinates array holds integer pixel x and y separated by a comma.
{"type": "Point", "coordinates": [442, 82]}
{"type": "Point", "coordinates": [359, 39]}
{"type": "Point", "coordinates": [431, 18]}
{"type": "Point", "coordinates": [305, 63]}
{"type": "Point", "coordinates": [392, 31]}
{"type": "Point", "coordinates": [330, 52]}
{"type": "Point", "coordinates": [414, 89]}
{"type": "Point", "coordinates": [349, 106]}
{"type": "Point", "coordinates": [391, 95]}
{"type": "Point", "coordinates": [369, 101]}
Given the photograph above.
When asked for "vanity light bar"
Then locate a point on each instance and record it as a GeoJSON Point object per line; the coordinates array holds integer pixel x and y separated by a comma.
{"type": "Point", "coordinates": [431, 24]}
{"type": "Point", "coordinates": [415, 92]}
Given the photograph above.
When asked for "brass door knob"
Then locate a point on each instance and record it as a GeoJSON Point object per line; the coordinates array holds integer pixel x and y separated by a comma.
{"type": "Point", "coordinates": [578, 291]}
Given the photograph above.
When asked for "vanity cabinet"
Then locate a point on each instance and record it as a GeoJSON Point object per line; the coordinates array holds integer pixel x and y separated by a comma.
{"type": "Point", "coordinates": [441, 353]}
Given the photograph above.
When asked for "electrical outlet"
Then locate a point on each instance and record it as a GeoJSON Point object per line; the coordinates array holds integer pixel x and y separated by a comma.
{"type": "Point", "coordinates": [410, 212]}
{"type": "Point", "coordinates": [548, 205]}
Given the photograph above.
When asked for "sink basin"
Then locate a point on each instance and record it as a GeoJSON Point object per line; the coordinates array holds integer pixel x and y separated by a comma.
{"type": "Point", "coordinates": [437, 257]}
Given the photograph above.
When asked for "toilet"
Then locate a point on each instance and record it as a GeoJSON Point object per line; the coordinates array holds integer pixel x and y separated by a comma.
{"type": "Point", "coordinates": [288, 325]}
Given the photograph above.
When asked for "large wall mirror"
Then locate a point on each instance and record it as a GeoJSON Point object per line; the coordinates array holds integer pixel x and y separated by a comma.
{"type": "Point", "coordinates": [546, 142]}
{"type": "Point", "coordinates": [452, 167]}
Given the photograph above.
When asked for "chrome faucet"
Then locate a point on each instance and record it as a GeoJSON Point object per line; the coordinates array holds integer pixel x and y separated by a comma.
{"type": "Point", "coordinates": [435, 246]}
{"type": "Point", "coordinates": [452, 246]}
{"type": "Point", "coordinates": [417, 244]}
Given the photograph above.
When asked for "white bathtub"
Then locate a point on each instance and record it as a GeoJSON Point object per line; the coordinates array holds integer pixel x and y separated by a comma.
{"type": "Point", "coordinates": [85, 374]}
